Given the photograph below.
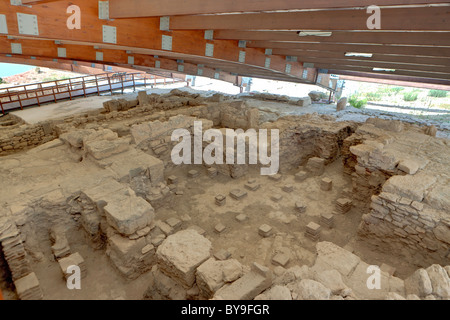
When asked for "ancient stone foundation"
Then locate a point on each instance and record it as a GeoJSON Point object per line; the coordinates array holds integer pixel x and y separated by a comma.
{"type": "Point", "coordinates": [100, 192]}
{"type": "Point", "coordinates": [402, 171]}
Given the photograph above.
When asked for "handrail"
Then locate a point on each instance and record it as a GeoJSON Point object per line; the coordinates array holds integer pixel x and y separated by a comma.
{"type": "Point", "coordinates": [48, 91]}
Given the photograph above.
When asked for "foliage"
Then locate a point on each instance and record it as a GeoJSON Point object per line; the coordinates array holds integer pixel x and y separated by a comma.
{"type": "Point", "coordinates": [55, 78]}
{"type": "Point", "coordinates": [357, 102]}
{"type": "Point", "coordinates": [410, 96]}
{"type": "Point", "coordinates": [437, 93]}
{"type": "Point", "coordinates": [374, 96]}
{"type": "Point", "coordinates": [396, 90]}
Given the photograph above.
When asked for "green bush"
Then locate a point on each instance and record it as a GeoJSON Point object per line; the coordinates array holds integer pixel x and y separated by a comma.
{"type": "Point", "coordinates": [357, 102]}
{"type": "Point", "coordinates": [2, 81]}
{"type": "Point", "coordinates": [437, 93]}
{"type": "Point", "coordinates": [410, 96]}
{"type": "Point", "coordinates": [384, 91]}
{"type": "Point", "coordinates": [374, 96]}
{"type": "Point", "coordinates": [396, 90]}
{"type": "Point", "coordinates": [55, 78]}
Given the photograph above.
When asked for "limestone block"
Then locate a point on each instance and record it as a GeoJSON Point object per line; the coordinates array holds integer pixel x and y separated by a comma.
{"type": "Point", "coordinates": [315, 95]}
{"type": "Point", "coordinates": [142, 98]}
{"type": "Point", "coordinates": [438, 197]}
{"type": "Point", "coordinates": [442, 233]}
{"type": "Point", "coordinates": [128, 213]}
{"type": "Point", "coordinates": [308, 289]}
{"type": "Point", "coordinates": [331, 256]}
{"type": "Point", "coordinates": [410, 186]}
{"type": "Point", "coordinates": [104, 148]}
{"type": "Point", "coordinates": [275, 293]}
{"type": "Point", "coordinates": [75, 138]}
{"type": "Point", "coordinates": [28, 288]}
{"type": "Point", "coordinates": [440, 281]}
{"type": "Point", "coordinates": [181, 253]}
{"type": "Point", "coordinates": [389, 125]}
{"type": "Point", "coordinates": [164, 288]}
{"type": "Point", "coordinates": [212, 275]}
{"type": "Point", "coordinates": [342, 103]}
{"type": "Point", "coordinates": [265, 230]}
{"type": "Point", "coordinates": [133, 163]}
{"type": "Point", "coordinates": [331, 279]}
{"type": "Point", "coordinates": [304, 102]}
{"type": "Point", "coordinates": [409, 166]}
{"type": "Point", "coordinates": [419, 283]}
{"type": "Point", "coordinates": [103, 134]}
{"type": "Point", "coordinates": [248, 286]}
{"type": "Point", "coordinates": [316, 166]}
{"type": "Point", "coordinates": [126, 248]}
{"type": "Point", "coordinates": [98, 194]}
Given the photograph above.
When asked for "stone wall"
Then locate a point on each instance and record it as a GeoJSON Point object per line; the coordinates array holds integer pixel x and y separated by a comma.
{"type": "Point", "coordinates": [401, 173]}
{"type": "Point", "coordinates": [15, 255]}
{"type": "Point", "coordinates": [155, 137]}
{"type": "Point", "coordinates": [237, 115]}
{"type": "Point", "coordinates": [114, 216]}
{"type": "Point", "coordinates": [302, 102]}
{"type": "Point", "coordinates": [25, 137]}
{"type": "Point", "coordinates": [121, 114]}
{"type": "Point", "coordinates": [303, 137]}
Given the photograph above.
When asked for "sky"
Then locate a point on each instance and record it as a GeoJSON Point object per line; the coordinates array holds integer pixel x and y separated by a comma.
{"type": "Point", "coordinates": [9, 69]}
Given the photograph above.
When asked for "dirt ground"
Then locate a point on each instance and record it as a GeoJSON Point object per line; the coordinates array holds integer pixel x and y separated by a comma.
{"type": "Point", "coordinates": [241, 239]}
{"type": "Point", "coordinates": [194, 204]}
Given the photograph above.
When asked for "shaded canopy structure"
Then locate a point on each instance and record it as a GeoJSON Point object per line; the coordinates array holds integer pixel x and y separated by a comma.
{"type": "Point", "coordinates": [289, 40]}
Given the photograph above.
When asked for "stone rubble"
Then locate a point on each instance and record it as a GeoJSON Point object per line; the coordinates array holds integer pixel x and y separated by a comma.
{"type": "Point", "coordinates": [407, 200]}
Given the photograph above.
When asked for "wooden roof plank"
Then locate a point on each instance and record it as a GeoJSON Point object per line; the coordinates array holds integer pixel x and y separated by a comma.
{"type": "Point", "coordinates": [407, 18]}
{"type": "Point", "coordinates": [373, 37]}
{"type": "Point", "coordinates": [157, 8]}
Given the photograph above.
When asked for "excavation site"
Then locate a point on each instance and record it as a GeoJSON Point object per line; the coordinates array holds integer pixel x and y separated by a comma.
{"type": "Point", "coordinates": [99, 191]}
{"type": "Point", "coordinates": [225, 158]}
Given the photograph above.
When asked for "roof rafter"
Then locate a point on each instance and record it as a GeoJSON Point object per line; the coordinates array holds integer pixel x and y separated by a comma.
{"type": "Point", "coordinates": [156, 8]}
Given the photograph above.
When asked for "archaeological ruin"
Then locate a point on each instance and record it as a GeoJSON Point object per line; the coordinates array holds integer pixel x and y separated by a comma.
{"type": "Point", "coordinates": [99, 191]}
{"type": "Point", "coordinates": [216, 151]}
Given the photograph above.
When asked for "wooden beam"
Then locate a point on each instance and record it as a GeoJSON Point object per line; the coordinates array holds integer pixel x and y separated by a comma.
{"type": "Point", "coordinates": [80, 67]}
{"type": "Point", "coordinates": [410, 18]}
{"type": "Point", "coordinates": [400, 83]}
{"type": "Point", "coordinates": [48, 49]}
{"type": "Point", "coordinates": [368, 37]}
{"type": "Point", "coordinates": [33, 47]}
{"type": "Point", "coordinates": [157, 8]}
{"type": "Point", "coordinates": [134, 34]}
{"type": "Point", "coordinates": [429, 75]}
{"type": "Point", "coordinates": [307, 54]}
{"type": "Point", "coordinates": [391, 77]}
{"type": "Point", "coordinates": [37, 1]}
{"type": "Point", "coordinates": [383, 49]}
{"type": "Point", "coordinates": [111, 54]}
{"type": "Point", "coordinates": [378, 64]}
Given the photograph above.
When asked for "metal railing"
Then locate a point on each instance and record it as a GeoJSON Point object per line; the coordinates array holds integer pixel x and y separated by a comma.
{"type": "Point", "coordinates": [18, 97]}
